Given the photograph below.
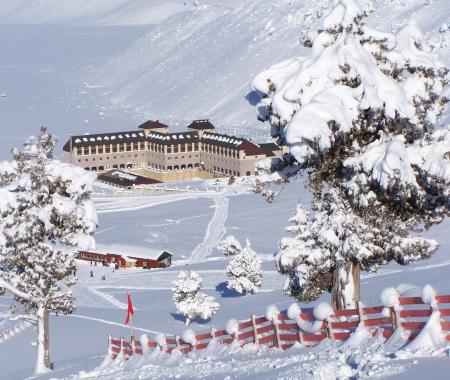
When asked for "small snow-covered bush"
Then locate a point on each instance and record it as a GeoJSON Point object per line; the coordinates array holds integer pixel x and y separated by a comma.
{"type": "Point", "coordinates": [244, 272]}
{"type": "Point", "coordinates": [188, 299]}
{"type": "Point", "coordinates": [200, 305]}
{"type": "Point", "coordinates": [188, 285]}
{"type": "Point", "coordinates": [229, 246]}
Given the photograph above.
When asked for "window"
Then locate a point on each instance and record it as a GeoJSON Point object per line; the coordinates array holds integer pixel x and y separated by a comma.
{"type": "Point", "coordinates": [183, 148]}
{"type": "Point", "coordinates": [128, 147]}
{"type": "Point", "coordinates": [114, 148]}
{"type": "Point", "coordinates": [107, 149]}
{"type": "Point", "coordinates": [136, 146]}
{"type": "Point", "coordinates": [100, 150]}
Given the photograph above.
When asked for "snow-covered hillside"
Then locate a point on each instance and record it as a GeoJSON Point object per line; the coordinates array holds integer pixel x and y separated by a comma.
{"type": "Point", "coordinates": [103, 12]}
{"type": "Point", "coordinates": [199, 63]}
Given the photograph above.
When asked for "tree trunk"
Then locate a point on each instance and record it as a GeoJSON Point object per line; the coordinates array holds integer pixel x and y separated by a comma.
{"type": "Point", "coordinates": [346, 289]}
{"type": "Point", "coordinates": [41, 366]}
{"type": "Point", "coordinates": [46, 339]}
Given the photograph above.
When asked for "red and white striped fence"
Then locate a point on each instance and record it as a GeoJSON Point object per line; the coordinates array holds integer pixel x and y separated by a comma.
{"type": "Point", "coordinates": [410, 314]}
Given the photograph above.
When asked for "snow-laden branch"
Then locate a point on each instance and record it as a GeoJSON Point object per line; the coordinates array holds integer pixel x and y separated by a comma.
{"type": "Point", "coordinates": [12, 289]}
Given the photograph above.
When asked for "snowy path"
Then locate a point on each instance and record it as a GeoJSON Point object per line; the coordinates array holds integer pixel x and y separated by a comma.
{"type": "Point", "coordinates": [111, 323]}
{"type": "Point", "coordinates": [214, 232]}
{"type": "Point", "coordinates": [104, 205]}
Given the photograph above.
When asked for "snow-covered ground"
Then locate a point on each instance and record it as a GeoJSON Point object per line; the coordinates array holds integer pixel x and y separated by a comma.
{"type": "Point", "coordinates": [180, 224]}
{"type": "Point", "coordinates": [90, 76]}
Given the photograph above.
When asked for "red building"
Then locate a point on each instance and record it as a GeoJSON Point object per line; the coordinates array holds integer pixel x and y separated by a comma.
{"type": "Point", "coordinates": [162, 259]}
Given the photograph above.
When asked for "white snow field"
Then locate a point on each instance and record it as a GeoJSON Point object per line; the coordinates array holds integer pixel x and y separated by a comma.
{"type": "Point", "coordinates": [180, 224]}
{"type": "Point", "coordinates": [93, 66]}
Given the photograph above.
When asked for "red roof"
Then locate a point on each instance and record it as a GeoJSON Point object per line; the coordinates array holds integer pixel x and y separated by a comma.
{"type": "Point", "coordinates": [251, 149]}
{"type": "Point", "coordinates": [201, 124]}
{"type": "Point", "coordinates": [152, 124]}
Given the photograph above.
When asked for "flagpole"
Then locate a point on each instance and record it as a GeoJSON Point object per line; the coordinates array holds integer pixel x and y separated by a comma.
{"type": "Point", "coordinates": [131, 326]}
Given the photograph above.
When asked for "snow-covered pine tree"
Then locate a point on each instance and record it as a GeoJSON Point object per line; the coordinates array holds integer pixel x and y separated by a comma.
{"type": "Point", "coordinates": [229, 246]}
{"type": "Point", "coordinates": [188, 299]}
{"type": "Point", "coordinates": [244, 272]}
{"type": "Point", "coordinates": [46, 214]}
{"type": "Point", "coordinates": [361, 113]}
{"type": "Point", "coordinates": [336, 239]}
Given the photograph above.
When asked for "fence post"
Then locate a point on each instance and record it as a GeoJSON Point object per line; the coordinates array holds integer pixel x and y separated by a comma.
{"type": "Point", "coordinates": [255, 329]}
{"type": "Point", "coordinates": [133, 345]}
{"type": "Point", "coordinates": [360, 312]}
{"type": "Point", "coordinates": [121, 347]}
{"type": "Point", "coordinates": [277, 332]}
{"type": "Point", "coordinates": [328, 328]}
{"type": "Point", "coordinates": [300, 335]}
{"type": "Point", "coordinates": [177, 341]}
{"type": "Point", "coordinates": [395, 320]}
{"type": "Point", "coordinates": [110, 352]}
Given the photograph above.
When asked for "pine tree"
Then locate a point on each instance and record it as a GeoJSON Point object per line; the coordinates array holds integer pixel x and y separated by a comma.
{"type": "Point", "coordinates": [188, 299]}
{"type": "Point", "coordinates": [336, 239]}
{"type": "Point", "coordinates": [229, 246]}
{"type": "Point", "coordinates": [46, 214]}
{"type": "Point", "coordinates": [244, 272]}
{"type": "Point", "coordinates": [361, 113]}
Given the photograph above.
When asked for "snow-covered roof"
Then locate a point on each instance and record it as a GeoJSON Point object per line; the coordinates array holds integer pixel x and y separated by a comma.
{"type": "Point", "coordinates": [131, 250]}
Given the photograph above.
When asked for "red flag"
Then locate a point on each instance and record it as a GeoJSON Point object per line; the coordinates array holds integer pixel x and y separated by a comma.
{"type": "Point", "coordinates": [130, 310]}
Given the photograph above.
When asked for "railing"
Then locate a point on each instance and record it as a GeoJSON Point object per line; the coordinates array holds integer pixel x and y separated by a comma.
{"type": "Point", "coordinates": [14, 329]}
{"type": "Point", "coordinates": [286, 328]}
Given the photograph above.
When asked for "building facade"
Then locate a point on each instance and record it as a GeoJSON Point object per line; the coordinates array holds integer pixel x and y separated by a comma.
{"type": "Point", "coordinates": [156, 153]}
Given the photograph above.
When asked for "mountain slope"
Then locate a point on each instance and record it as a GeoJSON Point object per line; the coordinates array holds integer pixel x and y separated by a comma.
{"type": "Point", "coordinates": [111, 12]}
{"type": "Point", "coordinates": [198, 63]}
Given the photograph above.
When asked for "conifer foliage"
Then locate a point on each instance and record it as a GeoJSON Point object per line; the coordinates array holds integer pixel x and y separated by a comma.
{"type": "Point", "coordinates": [188, 299]}
{"type": "Point", "coordinates": [244, 272]}
{"type": "Point", "coordinates": [229, 246]}
{"type": "Point", "coordinates": [46, 213]}
{"type": "Point", "coordinates": [361, 113]}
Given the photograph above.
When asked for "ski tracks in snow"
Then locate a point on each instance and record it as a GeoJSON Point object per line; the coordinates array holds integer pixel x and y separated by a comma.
{"type": "Point", "coordinates": [214, 232]}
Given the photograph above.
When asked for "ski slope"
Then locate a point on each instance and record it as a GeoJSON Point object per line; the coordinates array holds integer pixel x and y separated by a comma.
{"type": "Point", "coordinates": [91, 66]}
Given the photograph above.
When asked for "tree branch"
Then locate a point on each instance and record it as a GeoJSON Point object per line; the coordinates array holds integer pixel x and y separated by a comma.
{"type": "Point", "coordinates": [12, 289]}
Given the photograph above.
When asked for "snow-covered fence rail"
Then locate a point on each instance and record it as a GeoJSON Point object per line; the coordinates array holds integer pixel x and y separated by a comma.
{"type": "Point", "coordinates": [13, 330]}
{"type": "Point", "coordinates": [413, 315]}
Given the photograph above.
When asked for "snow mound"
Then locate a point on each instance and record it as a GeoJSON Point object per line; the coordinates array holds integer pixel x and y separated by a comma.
{"type": "Point", "coordinates": [322, 311]}
{"type": "Point", "coordinates": [389, 297]}
{"type": "Point", "coordinates": [160, 340]}
{"type": "Point", "coordinates": [232, 327]}
{"type": "Point", "coordinates": [272, 313]}
{"type": "Point", "coordinates": [188, 336]}
{"type": "Point", "coordinates": [294, 311]}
